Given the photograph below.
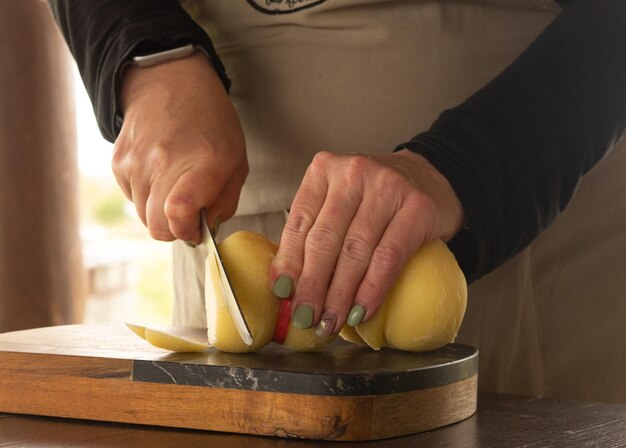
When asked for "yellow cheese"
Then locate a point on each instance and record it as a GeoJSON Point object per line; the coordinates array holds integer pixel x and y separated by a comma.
{"type": "Point", "coordinates": [349, 334]}
{"type": "Point", "coordinates": [427, 302]}
{"type": "Point", "coordinates": [372, 332]}
{"type": "Point", "coordinates": [175, 340]}
{"type": "Point", "coordinates": [139, 330]}
{"type": "Point", "coordinates": [305, 340]}
{"type": "Point", "coordinates": [246, 258]}
{"type": "Point", "coordinates": [423, 311]}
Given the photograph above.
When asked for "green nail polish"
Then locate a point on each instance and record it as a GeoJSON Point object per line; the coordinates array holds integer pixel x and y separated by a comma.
{"type": "Point", "coordinates": [356, 315]}
{"type": "Point", "coordinates": [190, 244]}
{"type": "Point", "coordinates": [303, 317]}
{"type": "Point", "coordinates": [283, 286]}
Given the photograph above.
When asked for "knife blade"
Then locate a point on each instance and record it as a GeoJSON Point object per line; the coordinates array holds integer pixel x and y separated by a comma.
{"type": "Point", "coordinates": [231, 300]}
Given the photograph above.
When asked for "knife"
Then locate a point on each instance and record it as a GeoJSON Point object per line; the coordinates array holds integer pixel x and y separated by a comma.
{"type": "Point", "coordinates": [231, 301]}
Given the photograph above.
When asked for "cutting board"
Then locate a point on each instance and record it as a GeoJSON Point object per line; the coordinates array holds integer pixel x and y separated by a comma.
{"type": "Point", "coordinates": [344, 392]}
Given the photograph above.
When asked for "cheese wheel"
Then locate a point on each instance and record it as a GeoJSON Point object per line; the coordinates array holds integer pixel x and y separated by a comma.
{"type": "Point", "coordinates": [426, 305]}
{"type": "Point", "coordinates": [246, 257]}
{"type": "Point", "coordinates": [423, 310]}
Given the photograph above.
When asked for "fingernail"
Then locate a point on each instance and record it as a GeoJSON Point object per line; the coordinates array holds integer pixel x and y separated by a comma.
{"type": "Point", "coordinates": [283, 286]}
{"type": "Point", "coordinates": [356, 315]}
{"type": "Point", "coordinates": [191, 244]}
{"type": "Point", "coordinates": [326, 326]}
{"type": "Point", "coordinates": [303, 317]}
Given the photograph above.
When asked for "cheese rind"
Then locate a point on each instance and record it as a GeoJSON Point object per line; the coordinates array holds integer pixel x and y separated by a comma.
{"type": "Point", "coordinates": [427, 302]}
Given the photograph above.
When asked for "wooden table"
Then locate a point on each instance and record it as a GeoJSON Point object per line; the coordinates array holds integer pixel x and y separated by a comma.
{"type": "Point", "coordinates": [502, 421]}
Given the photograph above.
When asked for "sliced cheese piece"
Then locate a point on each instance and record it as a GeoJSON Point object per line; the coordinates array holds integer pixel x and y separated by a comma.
{"type": "Point", "coordinates": [349, 334]}
{"type": "Point", "coordinates": [372, 332]}
{"type": "Point", "coordinates": [139, 330]}
{"type": "Point", "coordinates": [177, 339]}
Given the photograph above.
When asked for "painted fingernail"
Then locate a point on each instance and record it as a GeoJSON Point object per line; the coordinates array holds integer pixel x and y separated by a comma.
{"type": "Point", "coordinates": [303, 317]}
{"type": "Point", "coordinates": [326, 326]}
{"type": "Point", "coordinates": [191, 244]}
{"type": "Point", "coordinates": [356, 315]}
{"type": "Point", "coordinates": [283, 286]}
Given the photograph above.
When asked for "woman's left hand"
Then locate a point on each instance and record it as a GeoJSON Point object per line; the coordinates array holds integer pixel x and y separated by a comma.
{"type": "Point", "coordinates": [353, 225]}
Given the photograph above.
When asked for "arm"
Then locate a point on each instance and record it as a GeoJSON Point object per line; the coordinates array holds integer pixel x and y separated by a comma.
{"type": "Point", "coordinates": [180, 147]}
{"type": "Point", "coordinates": [504, 163]}
{"type": "Point", "coordinates": [515, 151]}
{"type": "Point", "coordinates": [103, 35]}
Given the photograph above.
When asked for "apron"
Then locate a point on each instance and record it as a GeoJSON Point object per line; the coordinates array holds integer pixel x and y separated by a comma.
{"type": "Point", "coordinates": [364, 75]}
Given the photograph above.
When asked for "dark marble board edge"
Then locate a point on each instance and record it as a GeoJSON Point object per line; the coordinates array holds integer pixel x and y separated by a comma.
{"type": "Point", "coordinates": [345, 382]}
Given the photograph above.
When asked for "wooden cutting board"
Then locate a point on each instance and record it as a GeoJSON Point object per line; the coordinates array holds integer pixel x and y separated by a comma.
{"type": "Point", "coordinates": [344, 392]}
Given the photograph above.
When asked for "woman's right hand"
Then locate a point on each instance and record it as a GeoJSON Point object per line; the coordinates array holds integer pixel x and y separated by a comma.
{"type": "Point", "coordinates": [181, 148]}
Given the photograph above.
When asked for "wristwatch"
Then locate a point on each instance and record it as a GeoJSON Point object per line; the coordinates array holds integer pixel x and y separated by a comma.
{"type": "Point", "coordinates": [164, 56]}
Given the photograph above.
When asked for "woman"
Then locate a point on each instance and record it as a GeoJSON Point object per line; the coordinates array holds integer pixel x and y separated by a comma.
{"type": "Point", "coordinates": [528, 113]}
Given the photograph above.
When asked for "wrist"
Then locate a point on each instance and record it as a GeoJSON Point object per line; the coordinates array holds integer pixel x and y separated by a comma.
{"type": "Point", "coordinates": [143, 82]}
{"type": "Point", "coordinates": [441, 190]}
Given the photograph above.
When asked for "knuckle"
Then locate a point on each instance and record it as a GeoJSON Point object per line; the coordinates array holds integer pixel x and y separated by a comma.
{"type": "Point", "coordinates": [356, 249]}
{"type": "Point", "coordinates": [310, 286]}
{"type": "Point", "coordinates": [119, 162]}
{"type": "Point", "coordinates": [357, 166]}
{"type": "Point", "coordinates": [298, 223]}
{"type": "Point", "coordinates": [388, 180]}
{"type": "Point", "coordinates": [157, 159]}
{"type": "Point", "coordinates": [419, 202]}
{"type": "Point", "coordinates": [119, 151]}
{"type": "Point", "coordinates": [180, 205]}
{"type": "Point", "coordinates": [322, 158]}
{"type": "Point", "coordinates": [321, 238]}
{"type": "Point", "coordinates": [317, 168]}
{"type": "Point", "coordinates": [387, 257]}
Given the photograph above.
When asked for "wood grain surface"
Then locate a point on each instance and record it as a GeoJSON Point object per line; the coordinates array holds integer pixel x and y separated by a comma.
{"type": "Point", "coordinates": [85, 372]}
{"type": "Point", "coordinates": [502, 421]}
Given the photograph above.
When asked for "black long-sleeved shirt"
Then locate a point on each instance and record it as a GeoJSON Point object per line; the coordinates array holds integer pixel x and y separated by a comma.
{"type": "Point", "coordinates": [513, 152]}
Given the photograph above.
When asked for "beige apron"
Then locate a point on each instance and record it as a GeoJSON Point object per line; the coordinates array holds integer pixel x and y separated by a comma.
{"type": "Point", "coordinates": [365, 75]}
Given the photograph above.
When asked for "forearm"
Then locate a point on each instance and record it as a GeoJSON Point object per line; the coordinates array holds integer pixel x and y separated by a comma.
{"type": "Point", "coordinates": [515, 151]}
{"type": "Point", "coordinates": [103, 35]}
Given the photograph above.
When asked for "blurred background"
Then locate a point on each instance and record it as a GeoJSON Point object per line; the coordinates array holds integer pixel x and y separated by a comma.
{"type": "Point", "coordinates": [71, 246]}
{"type": "Point", "coordinates": [129, 274]}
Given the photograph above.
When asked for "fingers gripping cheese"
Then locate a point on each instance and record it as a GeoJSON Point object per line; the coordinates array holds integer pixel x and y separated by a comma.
{"type": "Point", "coordinates": [246, 258]}
{"type": "Point", "coordinates": [423, 310]}
{"type": "Point", "coordinates": [425, 307]}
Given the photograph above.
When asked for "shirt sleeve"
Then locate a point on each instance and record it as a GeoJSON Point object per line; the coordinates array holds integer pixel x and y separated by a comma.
{"type": "Point", "coordinates": [515, 151]}
{"type": "Point", "coordinates": [103, 35]}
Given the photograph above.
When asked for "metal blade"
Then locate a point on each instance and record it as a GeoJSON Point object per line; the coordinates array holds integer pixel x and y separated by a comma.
{"type": "Point", "coordinates": [231, 301]}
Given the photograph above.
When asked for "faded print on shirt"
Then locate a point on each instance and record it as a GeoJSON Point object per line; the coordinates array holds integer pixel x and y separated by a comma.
{"type": "Point", "coordinates": [283, 6]}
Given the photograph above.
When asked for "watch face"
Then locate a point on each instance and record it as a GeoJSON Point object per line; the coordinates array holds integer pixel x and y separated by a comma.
{"type": "Point", "coordinates": [283, 6]}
